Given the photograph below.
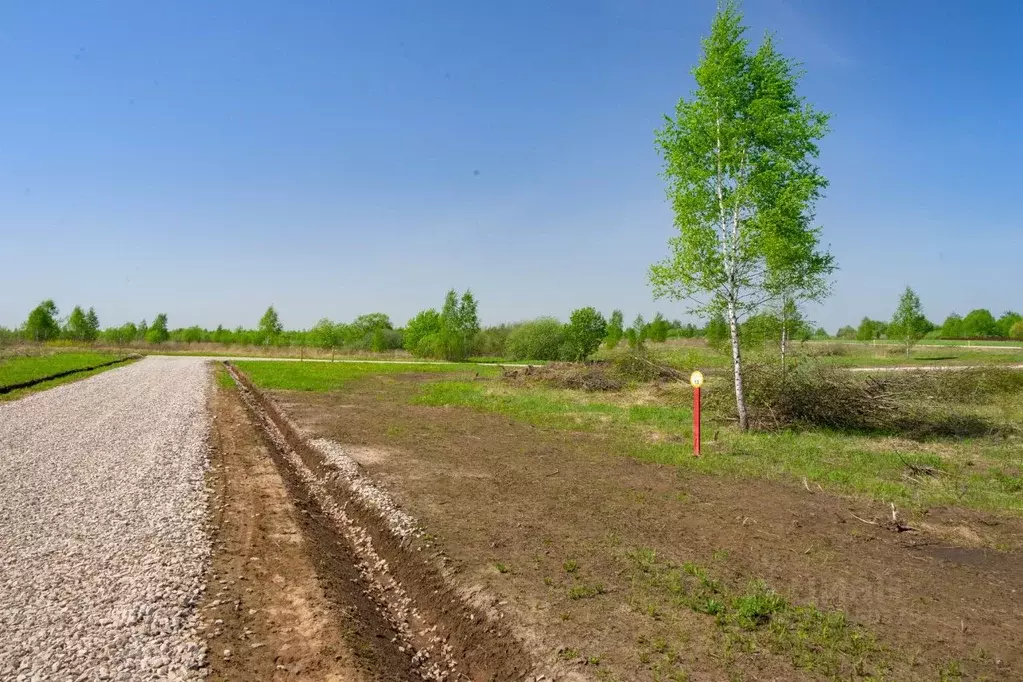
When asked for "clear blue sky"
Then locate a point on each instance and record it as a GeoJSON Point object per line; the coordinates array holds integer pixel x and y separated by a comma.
{"type": "Point", "coordinates": [335, 158]}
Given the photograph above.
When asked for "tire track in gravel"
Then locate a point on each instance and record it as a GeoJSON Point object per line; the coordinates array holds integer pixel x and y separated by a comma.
{"type": "Point", "coordinates": [102, 526]}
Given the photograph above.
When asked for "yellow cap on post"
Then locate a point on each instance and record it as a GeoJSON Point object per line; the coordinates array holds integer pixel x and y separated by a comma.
{"type": "Point", "coordinates": [696, 379]}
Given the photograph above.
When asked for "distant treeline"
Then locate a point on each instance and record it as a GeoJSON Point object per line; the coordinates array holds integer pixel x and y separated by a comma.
{"type": "Point", "coordinates": [978, 324]}
{"type": "Point", "coordinates": [454, 332]}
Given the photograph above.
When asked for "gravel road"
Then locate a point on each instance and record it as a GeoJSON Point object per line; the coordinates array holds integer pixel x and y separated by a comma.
{"type": "Point", "coordinates": [102, 513]}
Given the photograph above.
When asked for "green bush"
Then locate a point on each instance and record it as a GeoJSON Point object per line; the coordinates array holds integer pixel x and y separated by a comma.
{"type": "Point", "coordinates": [492, 341]}
{"type": "Point", "coordinates": [429, 346]}
{"type": "Point", "coordinates": [539, 339]}
{"type": "Point", "coordinates": [424, 324]}
{"type": "Point", "coordinates": [1016, 332]}
{"type": "Point", "coordinates": [583, 334]}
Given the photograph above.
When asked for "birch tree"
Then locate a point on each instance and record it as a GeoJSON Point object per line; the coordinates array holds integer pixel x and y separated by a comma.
{"type": "Point", "coordinates": [739, 162]}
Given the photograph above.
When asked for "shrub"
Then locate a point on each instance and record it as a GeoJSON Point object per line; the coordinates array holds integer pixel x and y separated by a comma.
{"type": "Point", "coordinates": [429, 346]}
{"type": "Point", "coordinates": [425, 323]}
{"type": "Point", "coordinates": [1016, 332]}
{"type": "Point", "coordinates": [492, 341]}
{"type": "Point", "coordinates": [1006, 322]}
{"type": "Point", "coordinates": [385, 339]}
{"type": "Point", "coordinates": [583, 334]}
{"type": "Point", "coordinates": [539, 339]}
{"type": "Point", "coordinates": [980, 323]}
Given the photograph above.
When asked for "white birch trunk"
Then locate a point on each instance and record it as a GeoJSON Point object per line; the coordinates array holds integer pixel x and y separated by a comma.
{"type": "Point", "coordinates": [740, 397]}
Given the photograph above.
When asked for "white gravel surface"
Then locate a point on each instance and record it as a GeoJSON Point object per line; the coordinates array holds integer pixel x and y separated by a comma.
{"type": "Point", "coordinates": [102, 526]}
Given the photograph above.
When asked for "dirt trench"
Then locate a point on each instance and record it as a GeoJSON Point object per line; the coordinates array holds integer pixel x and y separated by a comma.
{"type": "Point", "coordinates": [307, 582]}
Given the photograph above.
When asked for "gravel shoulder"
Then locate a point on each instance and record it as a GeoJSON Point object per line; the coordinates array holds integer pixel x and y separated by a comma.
{"type": "Point", "coordinates": [103, 511]}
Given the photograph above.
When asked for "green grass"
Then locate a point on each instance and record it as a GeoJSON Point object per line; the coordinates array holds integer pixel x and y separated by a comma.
{"type": "Point", "coordinates": [78, 376]}
{"type": "Point", "coordinates": [22, 368]}
{"type": "Point", "coordinates": [326, 376]}
{"type": "Point", "coordinates": [224, 379]}
{"type": "Point", "coordinates": [980, 473]}
{"type": "Point", "coordinates": [749, 618]}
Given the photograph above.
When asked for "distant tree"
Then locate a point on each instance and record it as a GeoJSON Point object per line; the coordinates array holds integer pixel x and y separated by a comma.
{"type": "Point", "coordinates": [790, 320]}
{"type": "Point", "coordinates": [1006, 322]}
{"type": "Point", "coordinates": [385, 339]}
{"type": "Point", "coordinates": [952, 327]}
{"type": "Point", "coordinates": [657, 330]}
{"type": "Point", "coordinates": [425, 324]}
{"type": "Point", "coordinates": [636, 334]}
{"type": "Point", "coordinates": [688, 331]}
{"type": "Point", "coordinates": [270, 326]}
{"type": "Point", "coordinates": [128, 332]}
{"type": "Point", "coordinates": [980, 323]}
{"type": "Point", "coordinates": [821, 333]}
{"type": "Point", "coordinates": [221, 335]}
{"type": "Point", "coordinates": [586, 329]}
{"type": "Point", "coordinates": [615, 329]}
{"type": "Point", "coordinates": [370, 322]}
{"type": "Point", "coordinates": [846, 332]}
{"type": "Point", "coordinates": [41, 324]}
{"type": "Point", "coordinates": [493, 341]}
{"type": "Point", "coordinates": [468, 321]}
{"type": "Point", "coordinates": [869, 330]}
{"type": "Point", "coordinates": [909, 324]}
{"type": "Point", "coordinates": [157, 332]}
{"type": "Point", "coordinates": [1017, 331]}
{"type": "Point", "coordinates": [193, 334]}
{"type": "Point", "coordinates": [92, 324]}
{"type": "Point", "coordinates": [760, 329]}
{"type": "Point", "coordinates": [716, 332]}
{"type": "Point", "coordinates": [459, 325]}
{"type": "Point", "coordinates": [77, 326]}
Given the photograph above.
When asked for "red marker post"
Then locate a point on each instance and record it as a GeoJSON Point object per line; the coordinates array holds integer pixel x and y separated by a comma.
{"type": "Point", "coordinates": [696, 379]}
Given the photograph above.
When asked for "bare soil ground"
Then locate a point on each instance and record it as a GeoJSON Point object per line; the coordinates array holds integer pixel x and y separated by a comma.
{"type": "Point", "coordinates": [284, 601]}
{"type": "Point", "coordinates": [581, 547]}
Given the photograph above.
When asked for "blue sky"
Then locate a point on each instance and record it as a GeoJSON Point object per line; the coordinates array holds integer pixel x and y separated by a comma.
{"type": "Point", "coordinates": [335, 158]}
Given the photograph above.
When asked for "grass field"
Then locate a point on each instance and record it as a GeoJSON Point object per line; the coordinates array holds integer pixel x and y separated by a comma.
{"type": "Point", "coordinates": [321, 376]}
{"type": "Point", "coordinates": [22, 368]}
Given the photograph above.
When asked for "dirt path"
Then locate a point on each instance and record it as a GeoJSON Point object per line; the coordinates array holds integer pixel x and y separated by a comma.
{"type": "Point", "coordinates": [589, 553]}
{"type": "Point", "coordinates": [284, 601]}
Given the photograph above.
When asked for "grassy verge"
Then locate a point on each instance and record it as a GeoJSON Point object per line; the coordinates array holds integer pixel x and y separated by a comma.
{"type": "Point", "coordinates": [78, 376]}
{"type": "Point", "coordinates": [320, 376]}
{"type": "Point", "coordinates": [981, 473]}
{"type": "Point", "coordinates": [23, 368]}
